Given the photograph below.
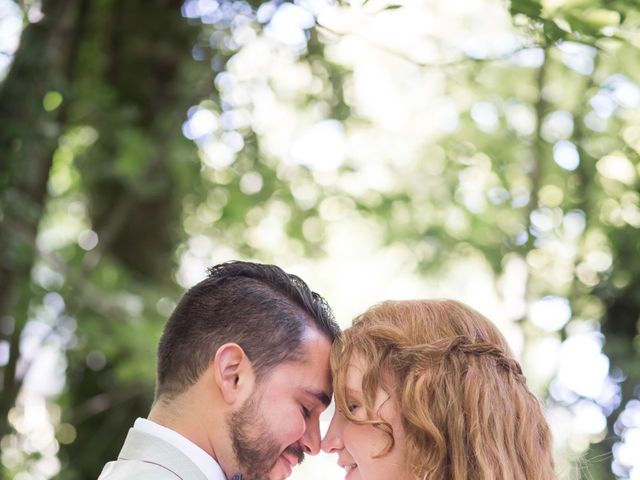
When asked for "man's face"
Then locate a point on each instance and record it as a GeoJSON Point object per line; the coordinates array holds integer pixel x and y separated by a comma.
{"type": "Point", "coordinates": [280, 422]}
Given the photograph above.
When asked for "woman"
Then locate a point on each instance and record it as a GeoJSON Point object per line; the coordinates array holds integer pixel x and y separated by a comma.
{"type": "Point", "coordinates": [429, 390]}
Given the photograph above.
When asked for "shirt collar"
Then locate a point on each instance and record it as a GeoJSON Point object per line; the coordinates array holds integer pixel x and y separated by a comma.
{"type": "Point", "coordinates": [202, 459]}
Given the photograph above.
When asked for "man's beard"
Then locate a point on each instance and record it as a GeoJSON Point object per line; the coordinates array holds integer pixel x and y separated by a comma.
{"type": "Point", "coordinates": [255, 448]}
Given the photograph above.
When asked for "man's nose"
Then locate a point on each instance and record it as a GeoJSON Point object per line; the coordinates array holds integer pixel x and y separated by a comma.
{"type": "Point", "coordinates": [311, 438]}
{"type": "Point", "coordinates": [332, 441]}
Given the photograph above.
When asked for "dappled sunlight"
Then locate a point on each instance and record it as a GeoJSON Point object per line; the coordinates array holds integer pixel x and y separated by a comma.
{"type": "Point", "coordinates": [628, 425]}
{"type": "Point", "coordinates": [583, 368]}
{"type": "Point", "coordinates": [398, 105]}
{"type": "Point", "coordinates": [438, 148]}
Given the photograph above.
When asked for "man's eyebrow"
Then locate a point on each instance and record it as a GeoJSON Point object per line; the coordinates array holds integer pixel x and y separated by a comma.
{"type": "Point", "coordinates": [322, 397]}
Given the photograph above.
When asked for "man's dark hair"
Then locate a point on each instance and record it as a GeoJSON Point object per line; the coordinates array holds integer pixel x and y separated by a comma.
{"type": "Point", "coordinates": [260, 307]}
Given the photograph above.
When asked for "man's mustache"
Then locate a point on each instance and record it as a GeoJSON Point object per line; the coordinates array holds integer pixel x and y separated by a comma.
{"type": "Point", "coordinates": [296, 451]}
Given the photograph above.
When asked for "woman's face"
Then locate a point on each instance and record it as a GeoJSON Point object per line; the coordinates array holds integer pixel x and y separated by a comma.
{"type": "Point", "coordinates": [357, 445]}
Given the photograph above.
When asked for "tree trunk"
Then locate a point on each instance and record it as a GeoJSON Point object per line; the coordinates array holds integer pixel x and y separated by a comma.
{"type": "Point", "coordinates": [28, 139]}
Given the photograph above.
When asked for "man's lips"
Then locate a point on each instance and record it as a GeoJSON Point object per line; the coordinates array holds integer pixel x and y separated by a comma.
{"type": "Point", "coordinates": [289, 462]}
{"type": "Point", "coordinates": [293, 461]}
{"type": "Point", "coordinates": [291, 457]}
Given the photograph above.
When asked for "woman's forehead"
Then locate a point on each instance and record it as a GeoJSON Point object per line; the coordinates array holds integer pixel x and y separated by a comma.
{"type": "Point", "coordinates": [356, 367]}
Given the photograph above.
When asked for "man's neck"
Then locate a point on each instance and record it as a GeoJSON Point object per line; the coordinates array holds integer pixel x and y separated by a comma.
{"type": "Point", "coordinates": [180, 416]}
{"type": "Point", "coordinates": [206, 428]}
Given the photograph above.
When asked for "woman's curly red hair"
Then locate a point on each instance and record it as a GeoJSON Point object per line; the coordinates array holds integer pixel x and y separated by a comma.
{"type": "Point", "coordinates": [466, 410]}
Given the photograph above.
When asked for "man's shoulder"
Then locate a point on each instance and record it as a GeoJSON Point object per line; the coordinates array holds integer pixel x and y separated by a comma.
{"type": "Point", "coordinates": [147, 456]}
{"type": "Point", "coordinates": [136, 469]}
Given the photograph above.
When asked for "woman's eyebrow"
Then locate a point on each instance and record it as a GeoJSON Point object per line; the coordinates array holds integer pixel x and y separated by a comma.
{"type": "Point", "coordinates": [353, 393]}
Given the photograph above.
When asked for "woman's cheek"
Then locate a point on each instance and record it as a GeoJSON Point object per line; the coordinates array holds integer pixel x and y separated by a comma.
{"type": "Point", "coordinates": [352, 440]}
{"type": "Point", "coordinates": [363, 442]}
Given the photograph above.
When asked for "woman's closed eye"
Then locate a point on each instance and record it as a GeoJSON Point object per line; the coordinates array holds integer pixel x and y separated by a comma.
{"type": "Point", "coordinates": [352, 407]}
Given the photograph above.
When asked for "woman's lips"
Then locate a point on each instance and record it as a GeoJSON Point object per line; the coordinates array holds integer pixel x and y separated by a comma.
{"type": "Point", "coordinates": [349, 468]}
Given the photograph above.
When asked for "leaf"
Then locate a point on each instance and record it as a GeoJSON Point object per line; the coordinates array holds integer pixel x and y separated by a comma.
{"type": "Point", "coordinates": [530, 8]}
{"type": "Point", "coordinates": [599, 18]}
{"type": "Point", "coordinates": [576, 4]}
{"type": "Point", "coordinates": [580, 27]}
{"type": "Point", "coordinates": [553, 32]}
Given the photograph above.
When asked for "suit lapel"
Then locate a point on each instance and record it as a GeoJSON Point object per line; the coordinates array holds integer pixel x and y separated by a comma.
{"type": "Point", "coordinates": [149, 448]}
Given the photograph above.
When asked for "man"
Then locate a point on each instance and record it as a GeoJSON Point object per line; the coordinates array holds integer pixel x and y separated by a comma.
{"type": "Point", "coordinates": [243, 375]}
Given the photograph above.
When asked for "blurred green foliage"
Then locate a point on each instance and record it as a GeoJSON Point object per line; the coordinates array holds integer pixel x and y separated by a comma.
{"type": "Point", "coordinates": [102, 196]}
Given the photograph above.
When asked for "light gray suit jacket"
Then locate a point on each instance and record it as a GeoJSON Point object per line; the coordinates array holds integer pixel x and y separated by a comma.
{"type": "Point", "coordinates": [145, 456]}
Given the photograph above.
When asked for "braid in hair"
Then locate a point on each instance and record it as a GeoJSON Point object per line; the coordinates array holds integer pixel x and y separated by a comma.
{"type": "Point", "coordinates": [466, 410]}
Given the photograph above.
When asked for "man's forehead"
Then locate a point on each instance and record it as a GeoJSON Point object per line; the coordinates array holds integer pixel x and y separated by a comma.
{"type": "Point", "coordinates": [315, 349]}
{"type": "Point", "coordinates": [312, 334]}
{"type": "Point", "coordinates": [308, 372]}
{"type": "Point", "coordinates": [312, 378]}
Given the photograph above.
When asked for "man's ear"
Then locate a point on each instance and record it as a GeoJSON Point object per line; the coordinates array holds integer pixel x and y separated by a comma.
{"type": "Point", "coordinates": [233, 373]}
